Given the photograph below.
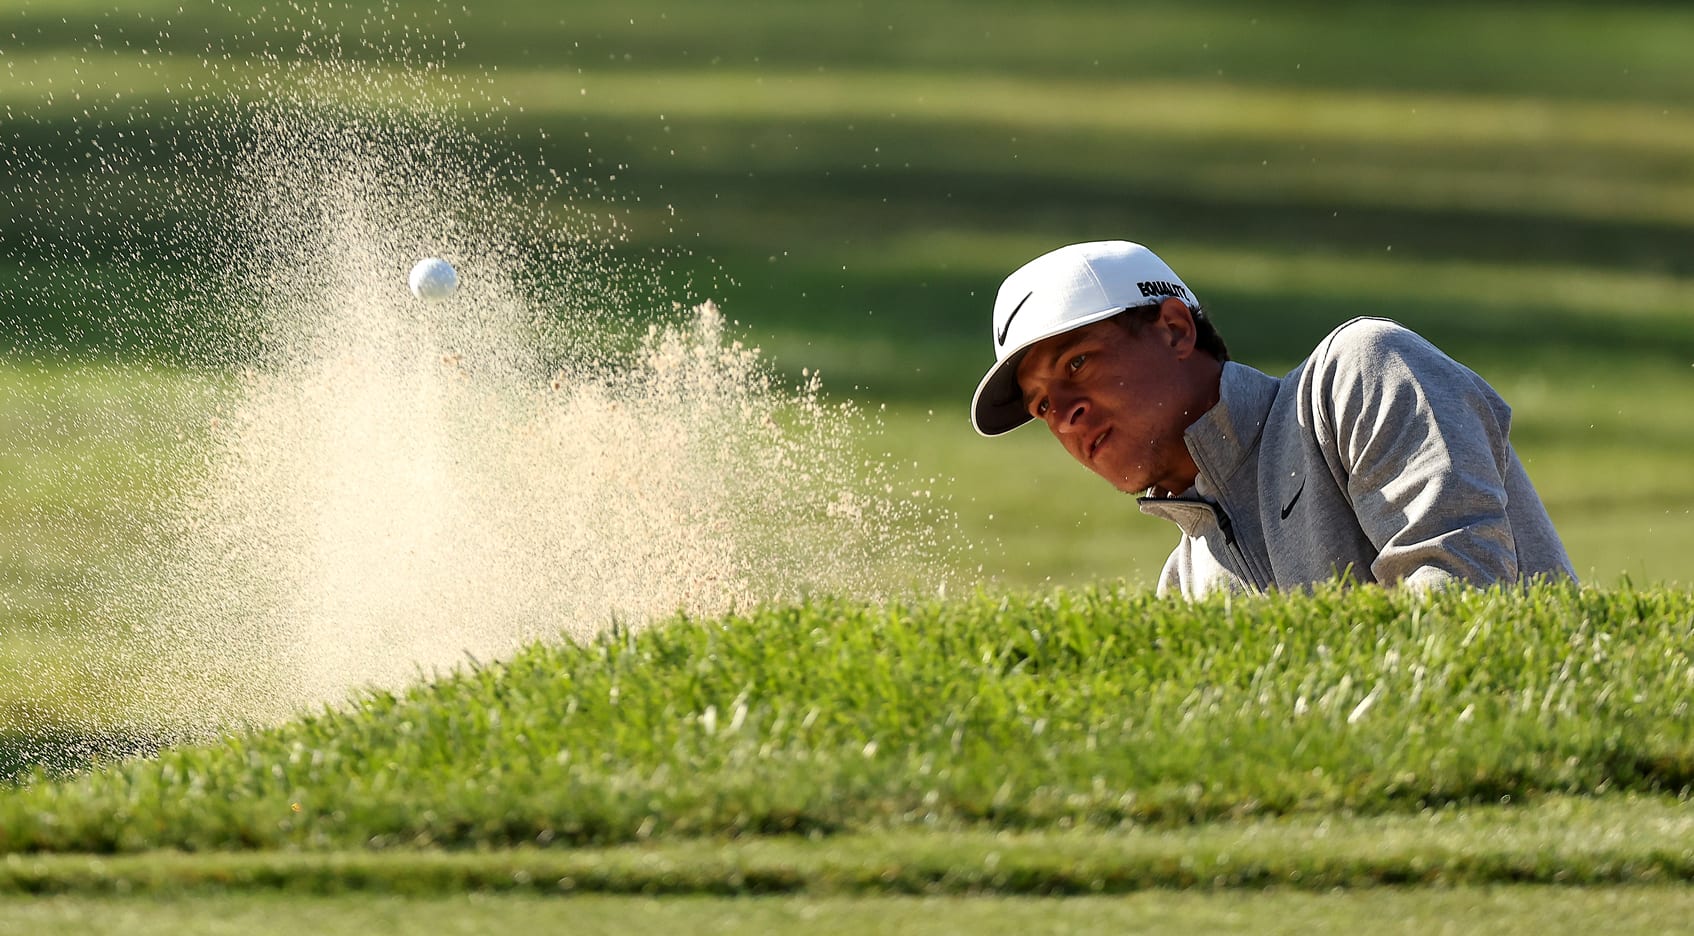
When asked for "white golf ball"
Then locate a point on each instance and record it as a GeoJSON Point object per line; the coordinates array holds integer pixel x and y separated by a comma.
{"type": "Point", "coordinates": [433, 279]}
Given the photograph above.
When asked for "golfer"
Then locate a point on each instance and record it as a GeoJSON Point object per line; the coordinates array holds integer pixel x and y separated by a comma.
{"type": "Point", "coordinates": [1379, 459]}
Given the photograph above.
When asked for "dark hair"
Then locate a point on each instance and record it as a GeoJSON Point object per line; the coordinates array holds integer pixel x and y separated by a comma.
{"type": "Point", "coordinates": [1206, 337]}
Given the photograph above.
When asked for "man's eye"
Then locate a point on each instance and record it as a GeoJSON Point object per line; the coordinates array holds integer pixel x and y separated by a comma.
{"type": "Point", "coordinates": [1075, 363]}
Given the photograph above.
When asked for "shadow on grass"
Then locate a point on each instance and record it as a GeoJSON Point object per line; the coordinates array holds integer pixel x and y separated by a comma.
{"type": "Point", "coordinates": [61, 752]}
{"type": "Point", "coordinates": [1560, 51]}
{"type": "Point", "coordinates": [863, 205]}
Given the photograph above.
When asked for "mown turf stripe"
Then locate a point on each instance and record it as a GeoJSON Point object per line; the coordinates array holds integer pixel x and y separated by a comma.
{"type": "Point", "coordinates": [1188, 108]}
{"type": "Point", "coordinates": [1198, 109]}
{"type": "Point", "coordinates": [1570, 842]}
{"type": "Point", "coordinates": [1270, 271]}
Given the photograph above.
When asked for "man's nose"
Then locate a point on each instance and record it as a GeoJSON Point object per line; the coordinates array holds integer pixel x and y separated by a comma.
{"type": "Point", "coordinates": [1070, 415]}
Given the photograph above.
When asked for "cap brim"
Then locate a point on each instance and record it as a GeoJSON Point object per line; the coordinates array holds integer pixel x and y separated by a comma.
{"type": "Point", "coordinates": [998, 406]}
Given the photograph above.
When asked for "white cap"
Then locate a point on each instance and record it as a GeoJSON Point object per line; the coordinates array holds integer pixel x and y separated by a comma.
{"type": "Point", "coordinates": [1055, 293]}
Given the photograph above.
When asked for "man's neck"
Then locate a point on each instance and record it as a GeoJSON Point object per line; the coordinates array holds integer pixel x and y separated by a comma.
{"type": "Point", "coordinates": [1208, 390]}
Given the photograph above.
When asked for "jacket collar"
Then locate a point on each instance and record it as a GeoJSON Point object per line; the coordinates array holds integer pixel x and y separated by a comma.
{"type": "Point", "coordinates": [1221, 440]}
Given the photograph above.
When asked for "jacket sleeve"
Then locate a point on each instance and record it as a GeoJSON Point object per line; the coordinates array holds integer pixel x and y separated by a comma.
{"type": "Point", "coordinates": [1419, 443]}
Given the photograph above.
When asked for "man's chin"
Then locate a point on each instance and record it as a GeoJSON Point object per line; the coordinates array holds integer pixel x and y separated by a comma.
{"type": "Point", "coordinates": [1128, 485]}
{"type": "Point", "coordinates": [1122, 481]}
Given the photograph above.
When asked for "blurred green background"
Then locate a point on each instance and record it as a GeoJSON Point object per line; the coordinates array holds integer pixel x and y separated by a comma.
{"type": "Point", "coordinates": [851, 181]}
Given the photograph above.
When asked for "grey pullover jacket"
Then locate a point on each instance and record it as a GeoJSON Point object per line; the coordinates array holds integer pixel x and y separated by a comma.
{"type": "Point", "coordinates": [1379, 457]}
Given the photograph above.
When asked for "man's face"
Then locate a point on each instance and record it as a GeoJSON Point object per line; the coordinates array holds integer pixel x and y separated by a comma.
{"type": "Point", "coordinates": [1119, 401]}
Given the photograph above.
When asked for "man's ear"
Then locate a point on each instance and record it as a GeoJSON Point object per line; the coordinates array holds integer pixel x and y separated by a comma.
{"type": "Point", "coordinates": [1176, 326]}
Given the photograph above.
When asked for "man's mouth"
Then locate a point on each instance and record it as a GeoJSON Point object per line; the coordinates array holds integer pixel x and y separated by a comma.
{"type": "Point", "coordinates": [1099, 440]}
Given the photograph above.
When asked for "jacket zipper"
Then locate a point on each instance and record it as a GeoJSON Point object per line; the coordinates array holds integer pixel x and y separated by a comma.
{"type": "Point", "coordinates": [1226, 526]}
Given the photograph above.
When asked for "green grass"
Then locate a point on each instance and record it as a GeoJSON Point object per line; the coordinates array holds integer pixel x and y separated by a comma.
{"type": "Point", "coordinates": [89, 457]}
{"type": "Point", "coordinates": [1479, 910]}
{"type": "Point", "coordinates": [1096, 709]}
{"type": "Point", "coordinates": [1569, 842]}
{"type": "Point", "coordinates": [1562, 50]}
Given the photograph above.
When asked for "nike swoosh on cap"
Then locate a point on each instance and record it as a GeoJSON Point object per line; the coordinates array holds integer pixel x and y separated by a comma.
{"type": "Point", "coordinates": [1015, 310]}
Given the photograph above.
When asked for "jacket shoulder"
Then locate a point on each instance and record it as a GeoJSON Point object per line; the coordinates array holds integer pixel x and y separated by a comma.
{"type": "Point", "coordinates": [1371, 355]}
{"type": "Point", "coordinates": [1368, 338]}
